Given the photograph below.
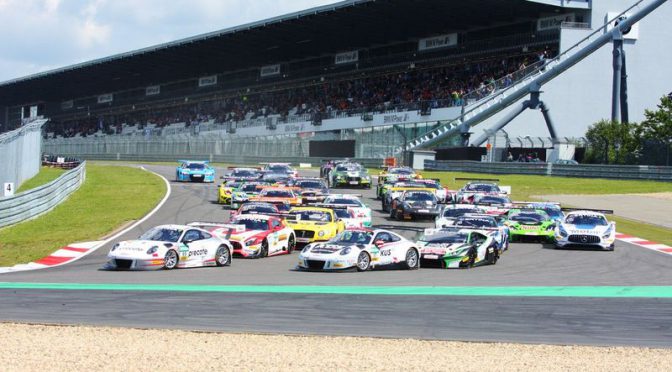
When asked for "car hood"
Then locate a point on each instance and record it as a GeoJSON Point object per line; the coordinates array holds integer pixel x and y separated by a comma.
{"type": "Point", "coordinates": [140, 247]}
{"type": "Point", "coordinates": [442, 248]}
{"type": "Point", "coordinates": [330, 248]}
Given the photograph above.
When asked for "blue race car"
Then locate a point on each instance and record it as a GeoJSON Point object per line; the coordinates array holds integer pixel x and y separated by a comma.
{"type": "Point", "coordinates": [195, 171]}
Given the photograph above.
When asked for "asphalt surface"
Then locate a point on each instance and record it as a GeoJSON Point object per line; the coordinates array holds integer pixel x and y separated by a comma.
{"type": "Point", "coordinates": [602, 321]}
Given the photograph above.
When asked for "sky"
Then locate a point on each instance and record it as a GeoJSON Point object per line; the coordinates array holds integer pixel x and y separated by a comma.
{"type": "Point", "coordinates": [40, 35]}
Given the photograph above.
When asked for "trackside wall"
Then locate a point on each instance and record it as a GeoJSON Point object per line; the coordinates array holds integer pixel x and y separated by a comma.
{"type": "Point", "coordinates": [20, 153]}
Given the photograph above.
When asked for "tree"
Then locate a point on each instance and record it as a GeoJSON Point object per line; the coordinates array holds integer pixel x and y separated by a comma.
{"type": "Point", "coordinates": [657, 127]}
{"type": "Point", "coordinates": [612, 142]}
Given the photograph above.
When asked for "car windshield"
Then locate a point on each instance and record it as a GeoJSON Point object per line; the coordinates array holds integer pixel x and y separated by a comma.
{"type": "Point", "coordinates": [196, 166]}
{"type": "Point", "coordinates": [409, 184]}
{"type": "Point", "coordinates": [342, 213]}
{"type": "Point", "coordinates": [312, 215]}
{"type": "Point", "coordinates": [258, 208]}
{"type": "Point", "coordinates": [591, 220]}
{"type": "Point", "coordinates": [279, 168]}
{"type": "Point", "coordinates": [250, 187]}
{"type": "Point", "coordinates": [476, 222]}
{"type": "Point", "coordinates": [445, 238]}
{"type": "Point", "coordinates": [162, 235]}
{"type": "Point", "coordinates": [251, 223]}
{"type": "Point", "coordinates": [347, 168]}
{"type": "Point", "coordinates": [277, 193]}
{"type": "Point", "coordinates": [419, 196]}
{"type": "Point", "coordinates": [310, 184]}
{"type": "Point", "coordinates": [343, 201]}
{"type": "Point", "coordinates": [528, 217]}
{"type": "Point", "coordinates": [353, 237]}
{"type": "Point", "coordinates": [244, 173]}
{"type": "Point", "coordinates": [553, 212]}
{"type": "Point", "coordinates": [232, 184]}
{"type": "Point", "coordinates": [494, 200]}
{"type": "Point", "coordinates": [482, 187]}
{"type": "Point", "coordinates": [455, 212]}
{"type": "Point", "coordinates": [275, 176]}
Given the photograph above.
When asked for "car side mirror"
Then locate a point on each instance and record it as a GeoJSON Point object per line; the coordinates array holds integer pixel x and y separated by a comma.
{"type": "Point", "coordinates": [187, 241]}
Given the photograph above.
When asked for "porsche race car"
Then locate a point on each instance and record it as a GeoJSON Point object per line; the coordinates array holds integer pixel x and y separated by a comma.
{"type": "Point", "coordinates": [361, 249]}
{"type": "Point", "coordinates": [194, 171]}
{"type": "Point", "coordinates": [168, 247]}
{"type": "Point", "coordinates": [586, 228]}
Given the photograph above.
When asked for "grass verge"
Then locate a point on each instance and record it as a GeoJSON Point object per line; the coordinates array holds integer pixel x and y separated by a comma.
{"type": "Point", "coordinates": [45, 175]}
{"type": "Point", "coordinates": [110, 197]}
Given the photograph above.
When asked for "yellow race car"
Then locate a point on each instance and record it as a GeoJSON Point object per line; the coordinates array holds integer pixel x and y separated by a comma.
{"type": "Point", "coordinates": [313, 224]}
{"type": "Point", "coordinates": [226, 190]}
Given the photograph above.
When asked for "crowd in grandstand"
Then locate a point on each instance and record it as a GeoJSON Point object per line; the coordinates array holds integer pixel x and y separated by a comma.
{"type": "Point", "coordinates": [443, 86]}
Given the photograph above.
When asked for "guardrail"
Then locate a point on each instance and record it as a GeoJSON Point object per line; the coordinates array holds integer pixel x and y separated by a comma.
{"type": "Point", "coordinates": [630, 172]}
{"type": "Point", "coordinates": [32, 203]}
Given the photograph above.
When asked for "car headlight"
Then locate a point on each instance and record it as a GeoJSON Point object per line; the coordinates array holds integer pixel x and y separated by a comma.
{"type": "Point", "coordinates": [321, 233]}
{"type": "Point", "coordinates": [607, 233]}
{"type": "Point", "coordinates": [306, 249]}
{"type": "Point", "coordinates": [345, 251]}
{"type": "Point", "coordinates": [562, 231]}
{"type": "Point", "coordinates": [251, 242]}
{"type": "Point", "coordinates": [114, 247]}
{"type": "Point", "coordinates": [152, 250]}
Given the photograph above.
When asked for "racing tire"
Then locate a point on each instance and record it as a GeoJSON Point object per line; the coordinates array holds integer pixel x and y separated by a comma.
{"type": "Point", "coordinates": [494, 256]}
{"type": "Point", "coordinates": [223, 256]}
{"type": "Point", "coordinates": [412, 259]}
{"type": "Point", "coordinates": [170, 260]}
{"type": "Point", "coordinates": [264, 249]}
{"type": "Point", "coordinates": [291, 244]}
{"type": "Point", "coordinates": [363, 261]}
{"type": "Point", "coordinates": [472, 259]}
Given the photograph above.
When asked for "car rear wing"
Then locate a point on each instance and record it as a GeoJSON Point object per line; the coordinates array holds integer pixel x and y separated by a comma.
{"type": "Point", "coordinates": [334, 206]}
{"type": "Point", "coordinates": [233, 167]}
{"type": "Point", "coordinates": [194, 161]}
{"type": "Point", "coordinates": [230, 229]}
{"type": "Point", "coordinates": [603, 211]}
{"type": "Point", "coordinates": [477, 179]}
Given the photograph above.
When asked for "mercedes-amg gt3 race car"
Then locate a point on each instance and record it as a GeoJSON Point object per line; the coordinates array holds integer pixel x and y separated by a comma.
{"type": "Point", "coordinates": [588, 228]}
{"type": "Point", "coordinates": [195, 171]}
{"type": "Point", "coordinates": [361, 249]}
{"type": "Point", "coordinates": [529, 223]}
{"type": "Point", "coordinates": [169, 247]}
{"type": "Point", "coordinates": [457, 248]}
{"type": "Point", "coordinates": [256, 235]}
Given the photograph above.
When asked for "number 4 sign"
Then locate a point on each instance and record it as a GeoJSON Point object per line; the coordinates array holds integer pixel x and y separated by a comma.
{"type": "Point", "coordinates": [8, 189]}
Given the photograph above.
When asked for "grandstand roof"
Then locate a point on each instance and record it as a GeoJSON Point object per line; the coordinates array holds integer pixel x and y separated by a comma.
{"type": "Point", "coordinates": [324, 30]}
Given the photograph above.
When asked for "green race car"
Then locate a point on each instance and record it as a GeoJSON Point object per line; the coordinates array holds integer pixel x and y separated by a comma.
{"type": "Point", "coordinates": [350, 175]}
{"type": "Point", "coordinates": [530, 224]}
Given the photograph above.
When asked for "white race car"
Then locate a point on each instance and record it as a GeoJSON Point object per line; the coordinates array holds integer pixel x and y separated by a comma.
{"type": "Point", "coordinates": [585, 228]}
{"type": "Point", "coordinates": [361, 211]}
{"type": "Point", "coordinates": [361, 249]}
{"type": "Point", "coordinates": [451, 212]}
{"type": "Point", "coordinates": [171, 246]}
{"type": "Point", "coordinates": [466, 194]}
{"type": "Point", "coordinates": [456, 247]}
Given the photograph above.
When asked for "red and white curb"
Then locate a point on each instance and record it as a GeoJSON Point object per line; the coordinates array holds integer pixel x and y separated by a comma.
{"type": "Point", "coordinates": [74, 252]}
{"type": "Point", "coordinates": [662, 248]}
{"type": "Point", "coordinates": [60, 257]}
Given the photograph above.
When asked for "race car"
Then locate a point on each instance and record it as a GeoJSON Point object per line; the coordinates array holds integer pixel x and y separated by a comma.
{"type": "Point", "coordinates": [486, 224]}
{"type": "Point", "coordinates": [226, 190]}
{"type": "Point", "coordinates": [350, 174]}
{"type": "Point", "coordinates": [530, 223]}
{"type": "Point", "coordinates": [245, 191]}
{"type": "Point", "coordinates": [392, 175]}
{"type": "Point", "coordinates": [415, 204]}
{"type": "Point", "coordinates": [453, 248]}
{"type": "Point", "coordinates": [275, 178]}
{"type": "Point", "coordinates": [277, 194]}
{"type": "Point", "coordinates": [258, 208]}
{"type": "Point", "coordinates": [493, 204]}
{"type": "Point", "coordinates": [443, 195]}
{"type": "Point", "coordinates": [195, 171]}
{"type": "Point", "coordinates": [243, 174]}
{"type": "Point", "coordinates": [361, 249]}
{"type": "Point", "coordinates": [312, 190]}
{"type": "Point", "coordinates": [348, 217]}
{"type": "Point", "coordinates": [586, 228]}
{"type": "Point", "coordinates": [399, 188]}
{"type": "Point", "coordinates": [280, 168]}
{"type": "Point", "coordinates": [466, 194]}
{"type": "Point", "coordinates": [256, 235]}
{"type": "Point", "coordinates": [361, 211]}
{"type": "Point", "coordinates": [552, 209]}
{"type": "Point", "coordinates": [168, 247]}
{"type": "Point", "coordinates": [313, 224]}
{"type": "Point", "coordinates": [450, 213]}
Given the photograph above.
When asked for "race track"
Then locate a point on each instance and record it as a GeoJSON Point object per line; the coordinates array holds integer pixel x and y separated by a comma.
{"type": "Point", "coordinates": [558, 319]}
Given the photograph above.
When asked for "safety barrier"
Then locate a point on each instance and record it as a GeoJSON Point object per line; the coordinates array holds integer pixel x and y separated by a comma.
{"type": "Point", "coordinates": [639, 172]}
{"type": "Point", "coordinates": [32, 203]}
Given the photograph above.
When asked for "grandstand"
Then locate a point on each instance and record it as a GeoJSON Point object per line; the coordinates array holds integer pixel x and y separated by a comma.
{"type": "Point", "coordinates": [380, 72]}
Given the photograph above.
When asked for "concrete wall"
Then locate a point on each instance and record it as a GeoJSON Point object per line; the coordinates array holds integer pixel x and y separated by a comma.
{"type": "Point", "coordinates": [582, 95]}
{"type": "Point", "coordinates": [20, 154]}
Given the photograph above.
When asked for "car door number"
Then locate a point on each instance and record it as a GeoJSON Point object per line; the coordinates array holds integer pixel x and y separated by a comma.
{"type": "Point", "coordinates": [385, 252]}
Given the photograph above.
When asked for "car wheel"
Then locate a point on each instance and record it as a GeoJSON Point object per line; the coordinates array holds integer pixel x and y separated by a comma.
{"type": "Point", "coordinates": [264, 249]}
{"type": "Point", "coordinates": [611, 248]}
{"type": "Point", "coordinates": [223, 256]}
{"type": "Point", "coordinates": [412, 261]}
{"type": "Point", "coordinates": [291, 244]}
{"type": "Point", "coordinates": [363, 261]}
{"type": "Point", "coordinates": [493, 256]}
{"type": "Point", "coordinates": [170, 260]}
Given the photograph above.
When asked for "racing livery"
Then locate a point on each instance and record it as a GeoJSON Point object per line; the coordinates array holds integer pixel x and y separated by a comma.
{"type": "Point", "coordinates": [276, 195]}
{"type": "Point", "coordinates": [466, 194]}
{"type": "Point", "coordinates": [360, 210]}
{"type": "Point", "coordinates": [169, 247]}
{"type": "Point", "coordinates": [415, 204]}
{"type": "Point", "coordinates": [312, 190]}
{"type": "Point", "coordinates": [392, 192]}
{"type": "Point", "coordinates": [313, 224]}
{"type": "Point", "coordinates": [195, 171]}
{"type": "Point", "coordinates": [487, 224]}
{"type": "Point", "coordinates": [392, 175]}
{"type": "Point", "coordinates": [361, 249]}
{"type": "Point", "coordinates": [256, 235]}
{"type": "Point", "coordinates": [451, 212]}
{"type": "Point", "coordinates": [457, 248]}
{"type": "Point", "coordinates": [257, 208]}
{"type": "Point", "coordinates": [586, 228]}
{"type": "Point", "coordinates": [280, 168]}
{"type": "Point", "coordinates": [243, 174]}
{"type": "Point", "coordinates": [246, 191]}
{"type": "Point", "coordinates": [349, 174]}
{"type": "Point", "coordinates": [530, 223]}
